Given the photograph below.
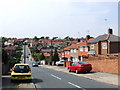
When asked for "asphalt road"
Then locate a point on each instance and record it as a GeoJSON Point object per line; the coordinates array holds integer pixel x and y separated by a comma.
{"type": "Point", "coordinates": [48, 78]}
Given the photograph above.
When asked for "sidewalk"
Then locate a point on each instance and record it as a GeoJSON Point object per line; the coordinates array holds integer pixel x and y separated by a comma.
{"type": "Point", "coordinates": [98, 76]}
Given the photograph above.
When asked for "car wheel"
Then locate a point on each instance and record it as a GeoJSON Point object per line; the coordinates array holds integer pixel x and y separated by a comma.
{"type": "Point", "coordinates": [88, 71]}
{"type": "Point", "coordinates": [69, 70]}
{"type": "Point", "coordinates": [76, 71]}
{"type": "Point", "coordinates": [29, 80]}
{"type": "Point", "coordinates": [12, 80]}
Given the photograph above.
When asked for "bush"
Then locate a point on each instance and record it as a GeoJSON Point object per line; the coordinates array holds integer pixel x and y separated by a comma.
{"type": "Point", "coordinates": [13, 62]}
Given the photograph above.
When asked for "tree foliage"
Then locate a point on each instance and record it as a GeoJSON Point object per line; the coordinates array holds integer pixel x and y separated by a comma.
{"type": "Point", "coordinates": [69, 38]}
{"type": "Point", "coordinates": [42, 37]}
{"type": "Point", "coordinates": [36, 38]}
{"type": "Point", "coordinates": [51, 57]}
{"type": "Point", "coordinates": [56, 56]}
{"type": "Point", "coordinates": [4, 57]}
{"type": "Point", "coordinates": [47, 37]}
{"type": "Point", "coordinates": [42, 57]}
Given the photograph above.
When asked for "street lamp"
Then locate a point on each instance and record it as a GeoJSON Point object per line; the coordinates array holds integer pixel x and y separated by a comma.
{"type": "Point", "coordinates": [24, 47]}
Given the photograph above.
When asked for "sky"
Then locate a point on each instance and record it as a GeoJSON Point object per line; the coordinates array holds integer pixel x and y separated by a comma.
{"type": "Point", "coordinates": [61, 18]}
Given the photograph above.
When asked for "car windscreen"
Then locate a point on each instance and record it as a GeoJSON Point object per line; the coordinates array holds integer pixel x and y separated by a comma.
{"type": "Point", "coordinates": [35, 63]}
{"type": "Point", "coordinates": [21, 69]}
{"type": "Point", "coordinates": [83, 63]}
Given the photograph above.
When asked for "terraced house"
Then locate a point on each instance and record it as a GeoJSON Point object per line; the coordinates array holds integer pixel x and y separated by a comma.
{"type": "Point", "coordinates": [76, 52]}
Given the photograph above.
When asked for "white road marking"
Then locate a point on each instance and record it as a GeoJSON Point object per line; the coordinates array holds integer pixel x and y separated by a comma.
{"type": "Point", "coordinates": [74, 85]}
{"type": "Point", "coordinates": [55, 76]}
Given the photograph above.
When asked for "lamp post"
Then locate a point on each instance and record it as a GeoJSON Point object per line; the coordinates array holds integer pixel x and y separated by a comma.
{"type": "Point", "coordinates": [24, 47]}
{"type": "Point", "coordinates": [24, 54]}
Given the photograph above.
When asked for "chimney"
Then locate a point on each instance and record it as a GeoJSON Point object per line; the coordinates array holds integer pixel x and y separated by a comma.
{"type": "Point", "coordinates": [87, 37]}
{"type": "Point", "coordinates": [79, 40]}
{"type": "Point", "coordinates": [110, 31]}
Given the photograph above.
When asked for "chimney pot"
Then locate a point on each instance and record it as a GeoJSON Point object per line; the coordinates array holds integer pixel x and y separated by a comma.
{"type": "Point", "coordinates": [110, 31]}
{"type": "Point", "coordinates": [87, 37]}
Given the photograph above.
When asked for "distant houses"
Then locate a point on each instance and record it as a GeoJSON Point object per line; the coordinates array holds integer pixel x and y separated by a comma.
{"type": "Point", "coordinates": [106, 44]}
{"type": "Point", "coordinates": [76, 52]}
{"type": "Point", "coordinates": [75, 49]}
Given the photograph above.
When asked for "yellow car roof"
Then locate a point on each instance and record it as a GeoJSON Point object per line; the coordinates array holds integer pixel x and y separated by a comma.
{"type": "Point", "coordinates": [21, 64]}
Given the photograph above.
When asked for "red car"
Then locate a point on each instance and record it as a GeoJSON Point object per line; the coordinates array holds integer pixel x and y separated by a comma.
{"type": "Point", "coordinates": [80, 67]}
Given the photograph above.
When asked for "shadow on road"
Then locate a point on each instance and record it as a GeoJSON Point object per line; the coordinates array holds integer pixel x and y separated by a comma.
{"type": "Point", "coordinates": [87, 72]}
{"type": "Point", "coordinates": [37, 80]}
{"type": "Point", "coordinates": [6, 82]}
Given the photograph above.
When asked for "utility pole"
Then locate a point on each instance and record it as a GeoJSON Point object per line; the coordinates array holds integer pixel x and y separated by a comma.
{"type": "Point", "coordinates": [24, 54]}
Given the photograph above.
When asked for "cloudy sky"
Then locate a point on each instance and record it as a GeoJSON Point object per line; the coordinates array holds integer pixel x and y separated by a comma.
{"type": "Point", "coordinates": [61, 18]}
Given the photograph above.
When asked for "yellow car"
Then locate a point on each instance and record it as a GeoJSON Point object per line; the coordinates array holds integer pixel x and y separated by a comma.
{"type": "Point", "coordinates": [21, 72]}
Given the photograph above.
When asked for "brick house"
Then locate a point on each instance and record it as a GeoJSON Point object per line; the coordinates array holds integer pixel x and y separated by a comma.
{"type": "Point", "coordinates": [76, 52]}
{"type": "Point", "coordinates": [105, 44]}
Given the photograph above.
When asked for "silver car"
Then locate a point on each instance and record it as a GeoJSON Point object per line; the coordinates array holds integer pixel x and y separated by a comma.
{"type": "Point", "coordinates": [61, 62]}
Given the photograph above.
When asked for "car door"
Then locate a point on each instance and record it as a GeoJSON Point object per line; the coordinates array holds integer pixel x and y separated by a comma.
{"type": "Point", "coordinates": [72, 67]}
{"type": "Point", "coordinates": [76, 66]}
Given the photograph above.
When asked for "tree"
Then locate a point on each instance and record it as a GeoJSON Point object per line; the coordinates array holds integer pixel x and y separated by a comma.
{"type": "Point", "coordinates": [47, 37]}
{"type": "Point", "coordinates": [54, 38]}
{"type": "Point", "coordinates": [56, 56]}
{"type": "Point", "coordinates": [50, 58]}
{"type": "Point", "coordinates": [36, 38]}
{"type": "Point", "coordinates": [4, 57]}
{"type": "Point", "coordinates": [69, 38]}
{"type": "Point", "coordinates": [4, 39]}
{"type": "Point", "coordinates": [42, 57]}
{"type": "Point", "coordinates": [42, 37]}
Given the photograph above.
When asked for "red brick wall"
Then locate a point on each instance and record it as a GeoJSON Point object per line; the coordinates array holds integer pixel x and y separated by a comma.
{"type": "Point", "coordinates": [68, 64]}
{"type": "Point", "coordinates": [108, 66]}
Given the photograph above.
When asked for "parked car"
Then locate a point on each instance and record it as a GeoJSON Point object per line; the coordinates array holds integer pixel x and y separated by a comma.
{"type": "Point", "coordinates": [21, 72]}
{"type": "Point", "coordinates": [38, 62]}
{"type": "Point", "coordinates": [61, 62]}
{"type": "Point", "coordinates": [80, 67]}
{"type": "Point", "coordinates": [35, 64]}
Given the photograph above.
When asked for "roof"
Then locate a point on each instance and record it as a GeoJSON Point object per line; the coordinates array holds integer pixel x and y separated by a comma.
{"type": "Point", "coordinates": [77, 45]}
{"type": "Point", "coordinates": [106, 37]}
{"type": "Point", "coordinates": [46, 54]}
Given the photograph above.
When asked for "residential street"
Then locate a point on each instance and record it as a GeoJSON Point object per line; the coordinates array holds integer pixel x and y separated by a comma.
{"type": "Point", "coordinates": [42, 78]}
{"type": "Point", "coordinates": [49, 78]}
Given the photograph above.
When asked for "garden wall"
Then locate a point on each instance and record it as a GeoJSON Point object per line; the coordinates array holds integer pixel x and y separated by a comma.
{"type": "Point", "coordinates": [106, 65]}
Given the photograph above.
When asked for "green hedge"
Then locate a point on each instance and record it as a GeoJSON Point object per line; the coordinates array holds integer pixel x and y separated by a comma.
{"type": "Point", "coordinates": [13, 61]}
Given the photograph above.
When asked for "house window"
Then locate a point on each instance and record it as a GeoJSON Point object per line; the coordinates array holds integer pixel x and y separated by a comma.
{"type": "Point", "coordinates": [104, 45]}
{"type": "Point", "coordinates": [75, 50]}
{"type": "Point", "coordinates": [81, 48]}
{"type": "Point", "coordinates": [62, 53]}
{"type": "Point", "coordinates": [92, 46]}
{"type": "Point", "coordinates": [71, 50]}
{"type": "Point", "coordinates": [68, 52]}
{"type": "Point", "coordinates": [65, 52]}
{"type": "Point", "coordinates": [86, 48]}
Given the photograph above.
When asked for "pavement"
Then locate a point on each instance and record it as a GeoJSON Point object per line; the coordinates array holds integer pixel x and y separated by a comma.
{"type": "Point", "coordinates": [98, 76]}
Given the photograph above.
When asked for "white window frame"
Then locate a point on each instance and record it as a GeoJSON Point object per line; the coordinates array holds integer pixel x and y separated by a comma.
{"type": "Point", "coordinates": [71, 50]}
{"type": "Point", "coordinates": [75, 50]}
{"type": "Point", "coordinates": [86, 48]}
{"type": "Point", "coordinates": [81, 48]}
{"type": "Point", "coordinates": [92, 46]}
{"type": "Point", "coordinates": [68, 52]}
{"type": "Point", "coordinates": [104, 46]}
